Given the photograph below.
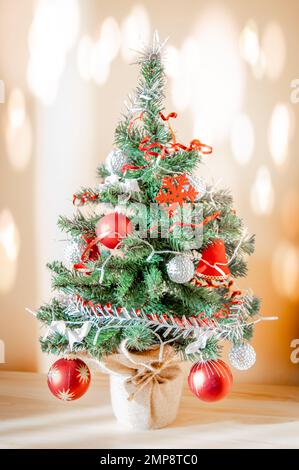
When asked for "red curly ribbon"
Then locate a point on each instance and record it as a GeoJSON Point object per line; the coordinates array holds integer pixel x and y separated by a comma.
{"type": "Point", "coordinates": [166, 118]}
{"type": "Point", "coordinates": [201, 224]}
{"type": "Point", "coordinates": [137, 118]}
{"type": "Point", "coordinates": [195, 144]}
{"type": "Point", "coordinates": [91, 244]}
{"type": "Point", "coordinates": [170, 115]}
{"type": "Point", "coordinates": [127, 167]}
{"type": "Point", "coordinates": [147, 148]}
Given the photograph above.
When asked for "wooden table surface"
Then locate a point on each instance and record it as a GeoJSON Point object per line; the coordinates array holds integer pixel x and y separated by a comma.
{"type": "Point", "coordinates": [253, 416]}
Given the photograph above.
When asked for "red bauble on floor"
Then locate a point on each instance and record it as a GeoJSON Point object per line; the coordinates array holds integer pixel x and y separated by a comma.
{"type": "Point", "coordinates": [211, 380]}
{"type": "Point", "coordinates": [68, 379]}
{"type": "Point", "coordinates": [112, 228]}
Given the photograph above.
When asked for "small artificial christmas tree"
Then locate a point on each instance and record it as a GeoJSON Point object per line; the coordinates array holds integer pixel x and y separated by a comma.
{"type": "Point", "coordinates": [136, 277]}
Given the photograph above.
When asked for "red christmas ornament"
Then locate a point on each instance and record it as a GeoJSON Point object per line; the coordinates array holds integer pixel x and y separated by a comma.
{"type": "Point", "coordinates": [176, 189]}
{"type": "Point", "coordinates": [112, 228]}
{"type": "Point", "coordinates": [213, 264]}
{"type": "Point", "coordinates": [210, 381]}
{"type": "Point", "coordinates": [68, 379]}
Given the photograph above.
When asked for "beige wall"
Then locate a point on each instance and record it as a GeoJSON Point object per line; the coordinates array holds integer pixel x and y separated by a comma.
{"type": "Point", "coordinates": [73, 134]}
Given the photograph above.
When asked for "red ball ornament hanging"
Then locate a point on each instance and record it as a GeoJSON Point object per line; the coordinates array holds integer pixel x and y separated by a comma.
{"type": "Point", "coordinates": [68, 379]}
{"type": "Point", "coordinates": [213, 264]}
{"type": "Point", "coordinates": [210, 381]}
{"type": "Point", "coordinates": [111, 228]}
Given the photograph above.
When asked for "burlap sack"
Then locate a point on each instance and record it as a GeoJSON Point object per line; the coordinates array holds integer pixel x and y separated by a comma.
{"type": "Point", "coordinates": [145, 392]}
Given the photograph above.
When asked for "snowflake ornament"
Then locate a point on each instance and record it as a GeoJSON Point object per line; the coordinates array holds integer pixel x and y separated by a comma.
{"type": "Point", "coordinates": [176, 189]}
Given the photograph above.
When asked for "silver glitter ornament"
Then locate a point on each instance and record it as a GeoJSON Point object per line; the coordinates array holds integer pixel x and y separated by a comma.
{"type": "Point", "coordinates": [72, 253]}
{"type": "Point", "coordinates": [115, 161]}
{"type": "Point", "coordinates": [242, 356]}
{"type": "Point", "coordinates": [180, 269]}
{"type": "Point", "coordinates": [199, 185]}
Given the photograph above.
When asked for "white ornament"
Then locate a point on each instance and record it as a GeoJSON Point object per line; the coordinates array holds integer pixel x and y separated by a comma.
{"type": "Point", "coordinates": [242, 356]}
{"type": "Point", "coordinates": [180, 269]}
{"type": "Point", "coordinates": [199, 185]}
{"type": "Point", "coordinates": [72, 253]}
{"type": "Point", "coordinates": [115, 161]}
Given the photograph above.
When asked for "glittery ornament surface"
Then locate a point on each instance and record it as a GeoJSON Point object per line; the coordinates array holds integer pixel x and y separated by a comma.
{"type": "Point", "coordinates": [180, 269]}
{"type": "Point", "coordinates": [115, 162]}
{"type": "Point", "coordinates": [242, 356]}
{"type": "Point", "coordinates": [72, 253]}
{"type": "Point", "coordinates": [199, 185]}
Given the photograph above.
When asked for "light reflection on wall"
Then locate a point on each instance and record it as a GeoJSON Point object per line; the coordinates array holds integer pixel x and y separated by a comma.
{"type": "Point", "coordinates": [52, 33]}
{"type": "Point", "coordinates": [285, 270]}
{"type": "Point", "coordinates": [9, 250]}
{"type": "Point", "coordinates": [135, 31]}
{"type": "Point", "coordinates": [279, 132]}
{"type": "Point", "coordinates": [273, 45]}
{"type": "Point", "coordinates": [289, 213]}
{"type": "Point", "coordinates": [249, 43]}
{"type": "Point", "coordinates": [95, 57]}
{"type": "Point", "coordinates": [207, 73]}
{"type": "Point", "coordinates": [18, 134]}
{"type": "Point", "coordinates": [262, 193]}
{"type": "Point", "coordinates": [242, 139]}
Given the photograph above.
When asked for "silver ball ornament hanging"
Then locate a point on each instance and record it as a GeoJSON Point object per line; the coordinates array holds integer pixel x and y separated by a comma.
{"type": "Point", "coordinates": [72, 253]}
{"type": "Point", "coordinates": [198, 184]}
{"type": "Point", "coordinates": [242, 356]}
{"type": "Point", "coordinates": [180, 269]}
{"type": "Point", "coordinates": [115, 161]}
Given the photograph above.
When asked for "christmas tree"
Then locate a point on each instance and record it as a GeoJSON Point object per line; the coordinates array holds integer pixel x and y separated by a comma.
{"type": "Point", "coordinates": [154, 251]}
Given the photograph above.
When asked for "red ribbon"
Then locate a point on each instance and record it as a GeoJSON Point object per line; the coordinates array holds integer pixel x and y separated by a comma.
{"type": "Point", "coordinates": [201, 224]}
{"type": "Point", "coordinates": [195, 144]}
{"type": "Point", "coordinates": [170, 115]}
{"type": "Point", "coordinates": [86, 197]}
{"type": "Point", "coordinates": [147, 148]}
{"type": "Point", "coordinates": [139, 117]}
{"type": "Point", "coordinates": [127, 167]}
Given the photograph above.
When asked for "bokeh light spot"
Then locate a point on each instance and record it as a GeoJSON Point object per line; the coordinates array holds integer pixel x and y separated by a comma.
{"type": "Point", "coordinates": [52, 33]}
{"type": "Point", "coordinates": [18, 134]}
{"type": "Point", "coordinates": [9, 250]}
{"type": "Point", "coordinates": [262, 194]}
{"type": "Point", "coordinates": [249, 43]}
{"type": "Point", "coordinates": [285, 270]}
{"type": "Point", "coordinates": [135, 30]}
{"type": "Point", "coordinates": [242, 139]}
{"type": "Point", "coordinates": [210, 79]}
{"type": "Point", "coordinates": [84, 57]}
{"type": "Point", "coordinates": [289, 213]}
{"type": "Point", "coordinates": [279, 132]}
{"type": "Point", "coordinates": [274, 49]}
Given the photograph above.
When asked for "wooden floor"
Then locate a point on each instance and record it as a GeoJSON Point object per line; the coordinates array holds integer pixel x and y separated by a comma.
{"type": "Point", "coordinates": [251, 417]}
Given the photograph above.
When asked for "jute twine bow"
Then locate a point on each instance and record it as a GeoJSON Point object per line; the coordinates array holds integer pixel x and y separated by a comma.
{"type": "Point", "coordinates": [149, 372]}
{"type": "Point", "coordinates": [158, 365]}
